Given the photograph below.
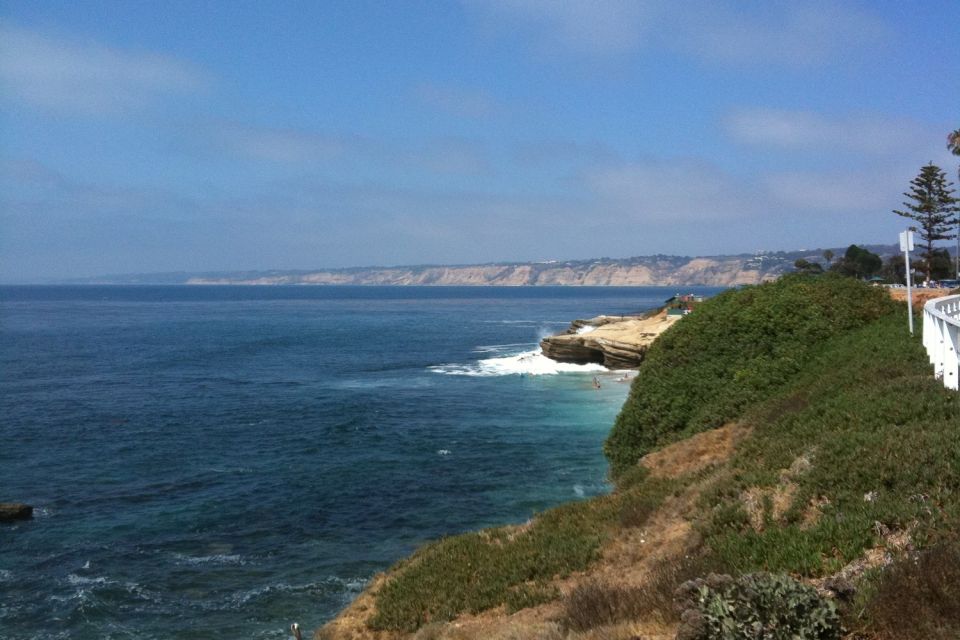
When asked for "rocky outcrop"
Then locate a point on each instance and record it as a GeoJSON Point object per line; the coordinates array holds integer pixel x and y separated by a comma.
{"type": "Point", "coordinates": [616, 342]}
{"type": "Point", "coordinates": [10, 511]}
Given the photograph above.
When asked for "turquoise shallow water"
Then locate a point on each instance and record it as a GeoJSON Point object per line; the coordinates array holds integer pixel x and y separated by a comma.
{"type": "Point", "coordinates": [221, 461]}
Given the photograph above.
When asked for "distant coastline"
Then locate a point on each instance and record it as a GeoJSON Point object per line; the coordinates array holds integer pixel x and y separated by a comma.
{"type": "Point", "coordinates": [656, 270]}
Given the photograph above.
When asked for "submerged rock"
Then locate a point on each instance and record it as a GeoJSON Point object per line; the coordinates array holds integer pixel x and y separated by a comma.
{"type": "Point", "coordinates": [10, 511]}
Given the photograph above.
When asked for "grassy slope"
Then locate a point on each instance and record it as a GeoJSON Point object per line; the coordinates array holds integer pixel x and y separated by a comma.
{"type": "Point", "coordinates": [841, 404]}
{"type": "Point", "coordinates": [870, 419]}
{"type": "Point", "coordinates": [737, 350]}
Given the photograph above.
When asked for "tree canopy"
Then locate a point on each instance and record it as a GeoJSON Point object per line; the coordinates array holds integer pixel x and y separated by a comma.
{"type": "Point", "coordinates": [859, 263]}
{"type": "Point", "coordinates": [932, 206]}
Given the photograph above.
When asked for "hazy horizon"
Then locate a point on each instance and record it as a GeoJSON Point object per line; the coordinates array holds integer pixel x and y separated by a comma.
{"type": "Point", "coordinates": [182, 138]}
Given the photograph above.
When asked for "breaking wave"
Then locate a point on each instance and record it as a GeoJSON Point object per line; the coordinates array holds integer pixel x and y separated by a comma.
{"type": "Point", "coordinates": [532, 363]}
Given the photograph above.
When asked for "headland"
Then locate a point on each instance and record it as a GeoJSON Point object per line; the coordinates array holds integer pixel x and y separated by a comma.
{"type": "Point", "coordinates": [784, 455]}
{"type": "Point", "coordinates": [616, 342]}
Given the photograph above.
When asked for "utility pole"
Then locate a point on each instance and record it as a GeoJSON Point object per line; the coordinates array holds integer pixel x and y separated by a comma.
{"type": "Point", "coordinates": [906, 245]}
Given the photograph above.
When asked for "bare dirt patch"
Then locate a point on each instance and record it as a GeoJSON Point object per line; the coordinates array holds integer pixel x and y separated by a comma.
{"type": "Point", "coordinates": [920, 296]}
{"type": "Point", "coordinates": [774, 502]}
{"type": "Point", "coordinates": [695, 453]}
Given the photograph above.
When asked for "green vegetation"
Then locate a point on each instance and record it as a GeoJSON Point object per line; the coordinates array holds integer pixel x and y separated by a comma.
{"type": "Point", "coordinates": [851, 446]}
{"type": "Point", "coordinates": [859, 263]}
{"type": "Point", "coordinates": [865, 442]}
{"type": "Point", "coordinates": [806, 267]}
{"type": "Point", "coordinates": [755, 606]}
{"type": "Point", "coordinates": [737, 349]}
{"type": "Point", "coordinates": [510, 565]}
{"type": "Point", "coordinates": [922, 588]}
{"type": "Point", "coordinates": [932, 206]}
{"type": "Point", "coordinates": [596, 603]}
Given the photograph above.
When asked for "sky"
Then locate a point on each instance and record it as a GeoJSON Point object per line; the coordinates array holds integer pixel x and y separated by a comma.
{"type": "Point", "coordinates": [142, 137]}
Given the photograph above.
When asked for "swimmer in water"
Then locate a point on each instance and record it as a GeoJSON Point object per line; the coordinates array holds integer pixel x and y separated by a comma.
{"type": "Point", "coordinates": [596, 382]}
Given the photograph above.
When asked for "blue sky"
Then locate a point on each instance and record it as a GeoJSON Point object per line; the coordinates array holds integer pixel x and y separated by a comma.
{"type": "Point", "coordinates": [142, 137]}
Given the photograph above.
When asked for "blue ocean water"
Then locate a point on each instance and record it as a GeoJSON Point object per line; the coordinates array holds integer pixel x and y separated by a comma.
{"type": "Point", "coordinates": [222, 461]}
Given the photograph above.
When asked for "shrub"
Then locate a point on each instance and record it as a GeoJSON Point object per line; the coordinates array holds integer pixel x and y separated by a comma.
{"type": "Point", "coordinates": [635, 510]}
{"type": "Point", "coordinates": [473, 572]}
{"type": "Point", "coordinates": [759, 606]}
{"type": "Point", "coordinates": [595, 603]}
{"type": "Point", "coordinates": [879, 424]}
{"type": "Point", "coordinates": [918, 597]}
{"type": "Point", "coordinates": [530, 595]}
{"type": "Point", "coordinates": [736, 349]}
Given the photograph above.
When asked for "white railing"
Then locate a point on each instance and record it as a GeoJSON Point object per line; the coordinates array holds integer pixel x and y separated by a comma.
{"type": "Point", "coordinates": [941, 337]}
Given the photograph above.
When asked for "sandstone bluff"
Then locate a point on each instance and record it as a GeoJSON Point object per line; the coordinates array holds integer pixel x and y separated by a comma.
{"type": "Point", "coordinates": [616, 342]}
{"type": "Point", "coordinates": [718, 271]}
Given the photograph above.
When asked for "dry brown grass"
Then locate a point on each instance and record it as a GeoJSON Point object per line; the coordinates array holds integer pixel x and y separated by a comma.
{"type": "Point", "coordinates": [695, 453]}
{"type": "Point", "coordinates": [918, 598]}
{"type": "Point", "coordinates": [920, 296]}
{"type": "Point", "coordinates": [597, 603]}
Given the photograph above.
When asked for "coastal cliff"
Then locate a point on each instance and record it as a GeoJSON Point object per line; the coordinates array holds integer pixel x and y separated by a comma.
{"type": "Point", "coordinates": [787, 473]}
{"type": "Point", "coordinates": [718, 271]}
{"type": "Point", "coordinates": [616, 342]}
{"type": "Point", "coordinates": [639, 271]}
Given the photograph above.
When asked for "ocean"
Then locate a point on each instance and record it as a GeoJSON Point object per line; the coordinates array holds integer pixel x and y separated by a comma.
{"type": "Point", "coordinates": [222, 461]}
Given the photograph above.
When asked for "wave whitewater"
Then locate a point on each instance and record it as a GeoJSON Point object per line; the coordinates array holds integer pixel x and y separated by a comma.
{"type": "Point", "coordinates": [532, 363]}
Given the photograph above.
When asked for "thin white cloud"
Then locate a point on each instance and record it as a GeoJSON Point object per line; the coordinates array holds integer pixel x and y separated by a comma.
{"type": "Point", "coordinates": [671, 191]}
{"type": "Point", "coordinates": [810, 131]}
{"type": "Point", "coordinates": [781, 32]}
{"type": "Point", "coordinates": [458, 101]}
{"type": "Point", "coordinates": [87, 77]}
{"type": "Point", "coordinates": [593, 27]}
{"type": "Point", "coordinates": [305, 150]}
{"type": "Point", "coordinates": [279, 145]}
{"type": "Point", "coordinates": [798, 34]}
{"type": "Point", "coordinates": [451, 156]}
{"type": "Point", "coordinates": [843, 192]}
{"type": "Point", "coordinates": [877, 189]}
{"type": "Point", "coordinates": [552, 152]}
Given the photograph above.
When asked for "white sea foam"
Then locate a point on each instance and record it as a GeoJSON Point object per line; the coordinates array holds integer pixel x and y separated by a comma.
{"type": "Point", "coordinates": [230, 470]}
{"type": "Point", "coordinates": [532, 363]}
{"type": "Point", "coordinates": [332, 583]}
{"type": "Point", "coordinates": [443, 452]}
{"type": "Point", "coordinates": [74, 579]}
{"type": "Point", "coordinates": [6, 575]}
{"type": "Point", "coordinates": [585, 329]}
{"type": "Point", "coordinates": [578, 490]}
{"type": "Point", "coordinates": [217, 558]}
{"type": "Point", "coordinates": [498, 348]}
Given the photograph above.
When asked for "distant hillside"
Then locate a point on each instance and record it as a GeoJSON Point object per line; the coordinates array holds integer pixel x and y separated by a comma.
{"type": "Point", "coordinates": [637, 271]}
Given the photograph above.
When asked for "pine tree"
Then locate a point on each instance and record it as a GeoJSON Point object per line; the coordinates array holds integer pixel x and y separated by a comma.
{"type": "Point", "coordinates": [933, 207]}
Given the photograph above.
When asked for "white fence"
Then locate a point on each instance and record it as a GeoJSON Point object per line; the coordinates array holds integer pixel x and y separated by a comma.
{"type": "Point", "coordinates": [941, 337]}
